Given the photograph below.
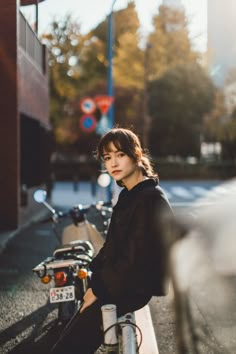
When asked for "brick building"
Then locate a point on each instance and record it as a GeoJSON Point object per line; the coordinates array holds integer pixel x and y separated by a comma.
{"type": "Point", "coordinates": [25, 135]}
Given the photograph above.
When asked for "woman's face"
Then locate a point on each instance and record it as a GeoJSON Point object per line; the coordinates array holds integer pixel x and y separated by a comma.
{"type": "Point", "coordinates": [119, 165]}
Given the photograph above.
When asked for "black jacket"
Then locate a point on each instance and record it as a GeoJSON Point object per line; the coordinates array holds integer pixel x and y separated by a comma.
{"type": "Point", "coordinates": [131, 265]}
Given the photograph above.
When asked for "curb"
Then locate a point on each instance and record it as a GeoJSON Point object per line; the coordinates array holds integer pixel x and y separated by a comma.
{"type": "Point", "coordinates": [144, 322]}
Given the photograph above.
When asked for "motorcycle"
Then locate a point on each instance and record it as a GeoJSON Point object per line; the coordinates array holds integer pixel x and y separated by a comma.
{"type": "Point", "coordinates": [79, 242]}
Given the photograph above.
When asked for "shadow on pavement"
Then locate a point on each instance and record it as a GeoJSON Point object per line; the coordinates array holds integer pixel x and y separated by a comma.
{"type": "Point", "coordinates": [42, 337]}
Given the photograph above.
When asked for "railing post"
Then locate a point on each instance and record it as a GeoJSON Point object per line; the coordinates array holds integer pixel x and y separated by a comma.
{"type": "Point", "coordinates": [109, 318]}
{"type": "Point", "coordinates": [129, 342]}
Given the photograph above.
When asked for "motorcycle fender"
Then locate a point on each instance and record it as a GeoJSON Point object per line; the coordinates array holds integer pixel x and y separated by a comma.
{"type": "Point", "coordinates": [85, 232]}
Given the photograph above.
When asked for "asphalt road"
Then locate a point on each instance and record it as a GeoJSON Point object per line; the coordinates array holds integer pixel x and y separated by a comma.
{"type": "Point", "coordinates": [27, 320]}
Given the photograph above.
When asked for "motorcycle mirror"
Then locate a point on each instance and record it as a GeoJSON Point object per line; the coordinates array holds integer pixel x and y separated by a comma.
{"type": "Point", "coordinates": [40, 196]}
{"type": "Point", "coordinates": [104, 180]}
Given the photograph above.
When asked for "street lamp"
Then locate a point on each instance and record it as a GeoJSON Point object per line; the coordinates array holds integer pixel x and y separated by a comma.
{"type": "Point", "coordinates": [110, 56]}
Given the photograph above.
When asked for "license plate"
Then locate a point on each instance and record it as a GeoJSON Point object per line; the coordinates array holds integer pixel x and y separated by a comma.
{"type": "Point", "coordinates": [66, 293]}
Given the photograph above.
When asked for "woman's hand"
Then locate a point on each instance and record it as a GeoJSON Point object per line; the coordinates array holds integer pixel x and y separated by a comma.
{"type": "Point", "coordinates": [89, 299]}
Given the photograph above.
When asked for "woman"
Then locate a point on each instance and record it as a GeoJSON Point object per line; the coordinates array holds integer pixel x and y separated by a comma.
{"type": "Point", "coordinates": [130, 268]}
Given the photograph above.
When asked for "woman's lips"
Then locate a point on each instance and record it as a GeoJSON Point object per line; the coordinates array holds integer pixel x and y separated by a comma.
{"type": "Point", "coordinates": [115, 172]}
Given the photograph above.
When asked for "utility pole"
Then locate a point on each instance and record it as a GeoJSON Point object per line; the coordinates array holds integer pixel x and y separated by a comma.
{"type": "Point", "coordinates": [110, 71]}
{"type": "Point", "coordinates": [146, 117]}
{"type": "Point", "coordinates": [37, 16]}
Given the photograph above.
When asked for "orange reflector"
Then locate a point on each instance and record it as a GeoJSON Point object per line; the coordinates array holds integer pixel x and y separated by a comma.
{"type": "Point", "coordinates": [46, 279]}
{"type": "Point", "coordinates": [82, 274]}
{"type": "Point", "coordinates": [60, 278]}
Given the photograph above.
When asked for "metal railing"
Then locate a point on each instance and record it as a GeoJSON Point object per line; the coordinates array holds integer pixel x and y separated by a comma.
{"type": "Point", "coordinates": [31, 44]}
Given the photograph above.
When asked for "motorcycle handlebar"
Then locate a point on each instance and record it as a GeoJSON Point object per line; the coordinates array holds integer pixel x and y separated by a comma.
{"type": "Point", "coordinates": [77, 212]}
{"type": "Point", "coordinates": [54, 217]}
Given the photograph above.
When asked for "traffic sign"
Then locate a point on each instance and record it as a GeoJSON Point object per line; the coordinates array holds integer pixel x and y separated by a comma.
{"type": "Point", "coordinates": [88, 123]}
{"type": "Point", "coordinates": [104, 103]}
{"type": "Point", "coordinates": [103, 125]}
{"type": "Point", "coordinates": [88, 105]}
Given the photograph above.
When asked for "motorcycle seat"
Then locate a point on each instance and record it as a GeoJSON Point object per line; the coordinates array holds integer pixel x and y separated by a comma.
{"type": "Point", "coordinates": [76, 247]}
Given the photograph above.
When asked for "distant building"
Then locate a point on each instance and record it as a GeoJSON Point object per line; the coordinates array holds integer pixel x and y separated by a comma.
{"type": "Point", "coordinates": [221, 39]}
{"type": "Point", "coordinates": [173, 3]}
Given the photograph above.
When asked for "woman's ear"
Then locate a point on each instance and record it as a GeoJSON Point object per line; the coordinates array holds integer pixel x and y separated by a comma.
{"type": "Point", "coordinates": [139, 157]}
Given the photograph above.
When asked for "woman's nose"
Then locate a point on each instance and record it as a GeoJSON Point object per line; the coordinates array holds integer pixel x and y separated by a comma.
{"type": "Point", "coordinates": [114, 161]}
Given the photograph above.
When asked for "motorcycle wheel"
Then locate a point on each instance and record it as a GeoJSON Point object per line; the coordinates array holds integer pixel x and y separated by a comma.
{"type": "Point", "coordinates": [66, 310]}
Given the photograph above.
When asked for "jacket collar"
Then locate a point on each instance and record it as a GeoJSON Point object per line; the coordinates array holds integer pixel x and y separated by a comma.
{"type": "Point", "coordinates": [151, 182]}
{"type": "Point", "coordinates": [125, 194]}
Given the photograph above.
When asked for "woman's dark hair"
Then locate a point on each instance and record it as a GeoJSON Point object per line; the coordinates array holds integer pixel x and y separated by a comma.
{"type": "Point", "coordinates": [128, 142]}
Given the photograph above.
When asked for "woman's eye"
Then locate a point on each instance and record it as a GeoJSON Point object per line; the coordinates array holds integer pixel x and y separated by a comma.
{"type": "Point", "coordinates": [121, 154]}
{"type": "Point", "coordinates": [106, 158]}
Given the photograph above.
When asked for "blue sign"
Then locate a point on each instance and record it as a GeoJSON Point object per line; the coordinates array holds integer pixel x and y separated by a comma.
{"type": "Point", "coordinates": [88, 123]}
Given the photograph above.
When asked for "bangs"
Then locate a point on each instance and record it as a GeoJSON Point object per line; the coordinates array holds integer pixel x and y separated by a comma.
{"type": "Point", "coordinates": [122, 140]}
{"type": "Point", "coordinates": [106, 145]}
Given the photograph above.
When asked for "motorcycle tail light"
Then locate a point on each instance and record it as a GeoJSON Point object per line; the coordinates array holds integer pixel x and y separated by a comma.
{"type": "Point", "coordinates": [60, 278]}
{"type": "Point", "coordinates": [46, 279]}
{"type": "Point", "coordinates": [82, 274]}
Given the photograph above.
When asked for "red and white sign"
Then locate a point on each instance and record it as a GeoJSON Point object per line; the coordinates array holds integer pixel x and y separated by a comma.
{"type": "Point", "coordinates": [104, 103]}
{"type": "Point", "coordinates": [88, 105]}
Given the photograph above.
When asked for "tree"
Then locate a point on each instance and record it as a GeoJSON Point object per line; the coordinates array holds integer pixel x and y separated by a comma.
{"type": "Point", "coordinates": [128, 55]}
{"type": "Point", "coordinates": [128, 84]}
{"type": "Point", "coordinates": [228, 138]}
{"type": "Point", "coordinates": [220, 126]}
{"type": "Point", "coordinates": [178, 102]}
{"type": "Point", "coordinates": [213, 120]}
{"type": "Point", "coordinates": [78, 66]}
{"type": "Point", "coordinates": [180, 92]}
{"type": "Point", "coordinates": [169, 41]}
{"type": "Point", "coordinates": [65, 44]}
{"type": "Point", "coordinates": [125, 47]}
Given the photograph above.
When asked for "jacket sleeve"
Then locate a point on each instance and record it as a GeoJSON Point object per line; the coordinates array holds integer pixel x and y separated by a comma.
{"type": "Point", "coordinates": [97, 262]}
{"type": "Point", "coordinates": [136, 252]}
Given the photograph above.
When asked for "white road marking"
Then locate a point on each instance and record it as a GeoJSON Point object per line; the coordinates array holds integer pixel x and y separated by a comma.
{"type": "Point", "coordinates": [199, 191]}
{"type": "Point", "coordinates": [181, 192]}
